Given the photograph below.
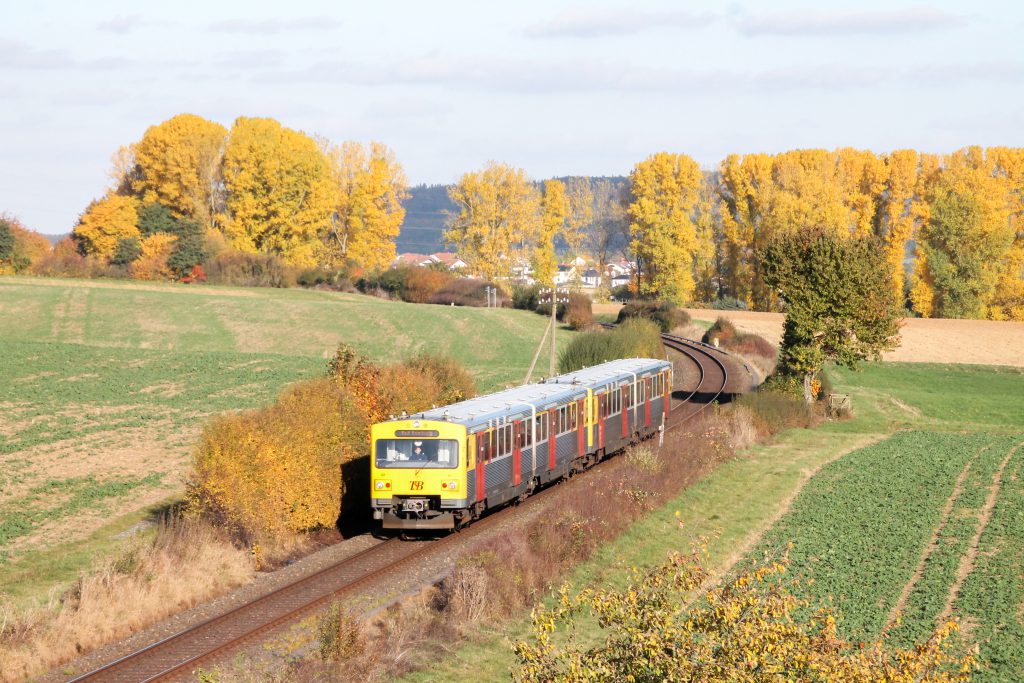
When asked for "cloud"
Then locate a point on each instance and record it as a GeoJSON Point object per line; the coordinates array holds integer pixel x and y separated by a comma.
{"type": "Point", "coordinates": [593, 23]}
{"type": "Point", "coordinates": [15, 54]}
{"type": "Point", "coordinates": [524, 76]}
{"type": "Point", "coordinates": [248, 59]}
{"type": "Point", "coordinates": [273, 26]}
{"type": "Point", "coordinates": [124, 25]}
{"type": "Point", "coordinates": [917, 19]}
{"type": "Point", "coordinates": [1000, 72]}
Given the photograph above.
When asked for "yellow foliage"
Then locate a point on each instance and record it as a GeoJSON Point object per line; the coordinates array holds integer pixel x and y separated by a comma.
{"type": "Point", "coordinates": [177, 163]}
{"type": "Point", "coordinates": [370, 186]}
{"type": "Point", "coordinates": [279, 191]}
{"type": "Point", "coordinates": [28, 249]}
{"type": "Point", "coordinates": [498, 218]}
{"type": "Point", "coordinates": [152, 262]}
{"type": "Point", "coordinates": [747, 628]}
{"type": "Point", "coordinates": [278, 470]}
{"type": "Point", "coordinates": [105, 222]}
{"type": "Point", "coordinates": [665, 192]}
{"type": "Point", "coordinates": [555, 209]}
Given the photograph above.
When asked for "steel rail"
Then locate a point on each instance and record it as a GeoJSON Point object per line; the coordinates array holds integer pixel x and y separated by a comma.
{"type": "Point", "coordinates": [211, 637]}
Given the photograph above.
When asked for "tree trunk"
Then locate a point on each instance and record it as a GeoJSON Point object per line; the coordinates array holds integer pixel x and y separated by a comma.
{"type": "Point", "coordinates": [808, 376]}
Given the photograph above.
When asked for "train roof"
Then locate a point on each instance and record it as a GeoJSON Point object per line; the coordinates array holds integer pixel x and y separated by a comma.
{"type": "Point", "coordinates": [560, 389]}
{"type": "Point", "coordinates": [612, 371]}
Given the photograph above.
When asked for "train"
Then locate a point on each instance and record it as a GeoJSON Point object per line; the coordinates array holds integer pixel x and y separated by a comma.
{"type": "Point", "coordinates": [445, 467]}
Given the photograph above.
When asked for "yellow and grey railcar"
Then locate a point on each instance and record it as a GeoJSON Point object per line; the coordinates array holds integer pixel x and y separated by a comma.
{"type": "Point", "coordinates": [441, 468]}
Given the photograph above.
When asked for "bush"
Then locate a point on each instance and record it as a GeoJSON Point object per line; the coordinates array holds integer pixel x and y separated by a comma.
{"type": "Point", "coordinates": [189, 251]}
{"type": "Point", "coordinates": [389, 283]}
{"type": "Point", "coordinates": [422, 284]}
{"type": "Point", "coordinates": [66, 260]}
{"type": "Point", "coordinates": [729, 303]}
{"type": "Point", "coordinates": [301, 464]}
{"type": "Point", "coordinates": [621, 293]}
{"type": "Point", "coordinates": [722, 331]}
{"type": "Point", "coordinates": [632, 339]}
{"type": "Point", "coordinates": [274, 471]}
{"type": "Point", "coordinates": [578, 312]}
{"type": "Point", "coordinates": [467, 292]}
{"type": "Point", "coordinates": [526, 297]}
{"type": "Point", "coordinates": [664, 313]}
{"type": "Point", "coordinates": [775, 410]}
{"type": "Point", "coordinates": [245, 269]}
{"type": "Point", "coordinates": [336, 279]}
{"type": "Point", "coordinates": [453, 382]}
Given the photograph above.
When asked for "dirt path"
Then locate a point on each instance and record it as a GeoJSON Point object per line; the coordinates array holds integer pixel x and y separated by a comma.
{"type": "Point", "coordinates": [933, 542]}
{"type": "Point", "coordinates": [967, 561]}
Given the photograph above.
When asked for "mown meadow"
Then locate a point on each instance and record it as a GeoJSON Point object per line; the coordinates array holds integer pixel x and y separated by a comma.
{"type": "Point", "coordinates": [105, 385]}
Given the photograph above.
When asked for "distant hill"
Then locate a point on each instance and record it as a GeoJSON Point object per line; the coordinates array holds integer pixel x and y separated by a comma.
{"type": "Point", "coordinates": [425, 217]}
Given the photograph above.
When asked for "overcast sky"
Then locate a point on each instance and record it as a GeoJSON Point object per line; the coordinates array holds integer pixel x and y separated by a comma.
{"type": "Point", "coordinates": [582, 88]}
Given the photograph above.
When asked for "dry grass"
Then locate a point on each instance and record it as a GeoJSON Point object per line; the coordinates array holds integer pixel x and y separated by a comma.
{"type": "Point", "coordinates": [186, 563]}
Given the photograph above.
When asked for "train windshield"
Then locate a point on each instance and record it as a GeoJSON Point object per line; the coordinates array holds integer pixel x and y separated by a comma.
{"type": "Point", "coordinates": [435, 453]}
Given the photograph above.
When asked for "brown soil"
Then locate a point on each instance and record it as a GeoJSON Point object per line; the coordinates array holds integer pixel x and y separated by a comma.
{"type": "Point", "coordinates": [985, 342]}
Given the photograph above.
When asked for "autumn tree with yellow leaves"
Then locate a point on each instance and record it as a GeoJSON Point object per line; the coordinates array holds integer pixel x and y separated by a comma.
{"type": "Point", "coordinates": [106, 222]}
{"type": "Point", "coordinates": [554, 218]}
{"type": "Point", "coordinates": [177, 163]}
{"type": "Point", "coordinates": [279, 193]}
{"type": "Point", "coordinates": [664, 190]}
{"type": "Point", "coordinates": [497, 220]}
{"type": "Point", "coordinates": [370, 185]}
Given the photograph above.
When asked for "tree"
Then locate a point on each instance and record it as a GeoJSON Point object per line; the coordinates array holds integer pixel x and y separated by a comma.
{"type": "Point", "coordinates": [664, 190]}
{"type": "Point", "coordinates": [838, 297]}
{"type": "Point", "coordinates": [127, 251]}
{"type": "Point", "coordinates": [105, 222]}
{"type": "Point", "coordinates": [554, 215]}
{"type": "Point", "coordinates": [580, 214]}
{"type": "Point", "coordinates": [156, 217]}
{"type": "Point", "coordinates": [960, 254]}
{"type": "Point", "coordinates": [368, 213]}
{"type": "Point", "coordinates": [279, 191]}
{"type": "Point", "coordinates": [177, 163]}
{"type": "Point", "coordinates": [608, 228]}
{"type": "Point", "coordinates": [189, 250]}
{"type": "Point", "coordinates": [6, 241]}
{"type": "Point", "coordinates": [498, 218]}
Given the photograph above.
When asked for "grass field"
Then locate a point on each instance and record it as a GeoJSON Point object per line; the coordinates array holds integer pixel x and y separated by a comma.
{"type": "Point", "coordinates": [862, 499]}
{"type": "Point", "coordinates": [104, 386]}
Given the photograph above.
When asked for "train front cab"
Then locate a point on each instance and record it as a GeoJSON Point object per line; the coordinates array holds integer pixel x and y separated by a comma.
{"type": "Point", "coordinates": [418, 474]}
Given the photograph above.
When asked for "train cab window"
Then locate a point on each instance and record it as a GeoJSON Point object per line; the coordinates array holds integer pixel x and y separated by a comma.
{"type": "Point", "coordinates": [413, 453]}
{"type": "Point", "coordinates": [573, 417]}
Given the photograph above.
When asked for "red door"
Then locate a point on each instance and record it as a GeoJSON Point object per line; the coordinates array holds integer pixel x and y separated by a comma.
{"type": "Point", "coordinates": [600, 419]}
{"type": "Point", "coordinates": [625, 411]}
{"type": "Point", "coordinates": [647, 402]}
{"type": "Point", "coordinates": [517, 452]}
{"type": "Point", "coordinates": [552, 438]}
{"type": "Point", "coordinates": [482, 451]}
{"type": "Point", "coordinates": [581, 429]}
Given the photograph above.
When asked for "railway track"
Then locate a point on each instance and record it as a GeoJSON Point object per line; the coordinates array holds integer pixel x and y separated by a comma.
{"type": "Point", "coordinates": [176, 656]}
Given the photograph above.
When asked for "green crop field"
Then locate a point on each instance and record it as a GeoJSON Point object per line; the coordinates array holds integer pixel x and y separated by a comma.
{"type": "Point", "coordinates": [104, 386]}
{"type": "Point", "coordinates": [883, 509]}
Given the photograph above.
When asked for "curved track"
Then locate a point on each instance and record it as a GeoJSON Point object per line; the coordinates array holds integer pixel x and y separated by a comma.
{"type": "Point", "coordinates": [177, 655]}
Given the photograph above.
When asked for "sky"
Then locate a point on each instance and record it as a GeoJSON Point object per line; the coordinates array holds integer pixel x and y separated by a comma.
{"type": "Point", "coordinates": [556, 88]}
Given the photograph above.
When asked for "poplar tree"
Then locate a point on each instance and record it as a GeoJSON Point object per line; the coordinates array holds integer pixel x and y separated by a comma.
{"type": "Point", "coordinates": [664, 191]}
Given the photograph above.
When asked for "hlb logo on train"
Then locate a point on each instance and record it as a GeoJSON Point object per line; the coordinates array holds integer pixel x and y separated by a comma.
{"type": "Point", "coordinates": [415, 485]}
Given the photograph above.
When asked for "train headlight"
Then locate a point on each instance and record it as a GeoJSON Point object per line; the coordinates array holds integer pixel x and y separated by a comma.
{"type": "Point", "coordinates": [449, 485]}
{"type": "Point", "coordinates": [382, 485]}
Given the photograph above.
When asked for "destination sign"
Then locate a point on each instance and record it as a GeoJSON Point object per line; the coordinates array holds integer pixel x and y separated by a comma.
{"type": "Point", "coordinates": [417, 432]}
